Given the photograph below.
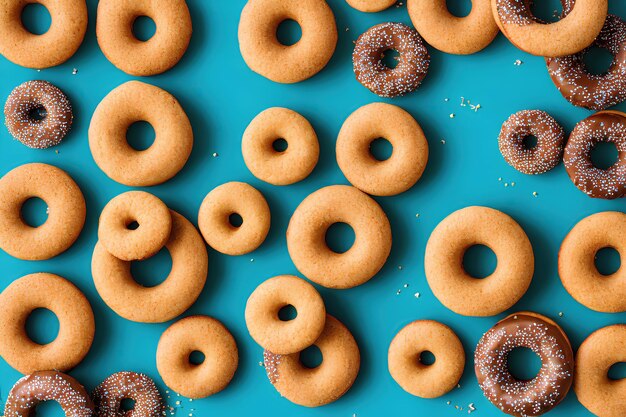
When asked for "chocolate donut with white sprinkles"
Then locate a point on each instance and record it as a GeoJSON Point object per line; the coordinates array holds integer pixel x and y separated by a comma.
{"type": "Point", "coordinates": [108, 396]}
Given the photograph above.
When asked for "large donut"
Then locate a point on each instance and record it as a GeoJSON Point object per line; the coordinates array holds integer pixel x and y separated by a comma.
{"type": "Point", "coordinates": [140, 388]}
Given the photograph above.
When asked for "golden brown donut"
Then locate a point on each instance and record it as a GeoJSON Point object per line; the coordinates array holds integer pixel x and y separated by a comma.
{"type": "Point", "coordinates": [371, 6]}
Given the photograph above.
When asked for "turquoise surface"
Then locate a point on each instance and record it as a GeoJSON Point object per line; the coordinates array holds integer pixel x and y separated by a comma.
{"type": "Point", "coordinates": [221, 95]}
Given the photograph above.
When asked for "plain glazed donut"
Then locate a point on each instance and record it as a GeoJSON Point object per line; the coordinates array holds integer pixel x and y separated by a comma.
{"type": "Point", "coordinates": [391, 176]}
{"type": "Point", "coordinates": [66, 212]}
{"type": "Point", "coordinates": [416, 378]}
{"type": "Point", "coordinates": [324, 384]}
{"type": "Point", "coordinates": [371, 6]}
{"type": "Point", "coordinates": [132, 102]}
{"type": "Point", "coordinates": [285, 337]}
{"type": "Point", "coordinates": [76, 323]}
{"type": "Point", "coordinates": [306, 237]}
{"type": "Point", "coordinates": [108, 396]}
{"type": "Point", "coordinates": [266, 56]}
{"type": "Point", "coordinates": [577, 267]}
{"type": "Point", "coordinates": [458, 290]}
{"type": "Point", "coordinates": [202, 334]}
{"type": "Point", "coordinates": [182, 287]}
{"type": "Point", "coordinates": [57, 45]}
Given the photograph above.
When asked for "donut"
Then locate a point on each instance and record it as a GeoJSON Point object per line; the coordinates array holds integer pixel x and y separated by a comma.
{"type": "Point", "coordinates": [114, 30]}
{"type": "Point", "coordinates": [413, 59]}
{"type": "Point", "coordinates": [577, 267]}
{"type": "Point", "coordinates": [391, 176]}
{"type": "Point", "coordinates": [182, 287]}
{"type": "Point", "coordinates": [595, 390]}
{"type": "Point", "coordinates": [280, 167]}
{"type": "Point", "coordinates": [66, 33]}
{"type": "Point", "coordinates": [306, 237]}
{"type": "Point", "coordinates": [66, 212]}
{"type": "Point", "coordinates": [38, 114]}
{"type": "Point", "coordinates": [576, 30]}
{"type": "Point", "coordinates": [234, 198]}
{"type": "Point", "coordinates": [108, 396]}
{"type": "Point", "coordinates": [285, 337]}
{"type": "Point", "coordinates": [606, 126]}
{"type": "Point", "coordinates": [371, 6]}
{"type": "Point", "coordinates": [416, 378]}
{"type": "Point", "coordinates": [518, 397]}
{"type": "Point", "coordinates": [324, 384]}
{"type": "Point", "coordinates": [452, 34]}
{"type": "Point", "coordinates": [265, 55]}
{"type": "Point", "coordinates": [39, 387]}
{"type": "Point", "coordinates": [76, 323]}
{"type": "Point", "coordinates": [203, 334]}
{"type": "Point", "coordinates": [541, 158]}
{"type": "Point", "coordinates": [594, 91]}
{"type": "Point", "coordinates": [132, 102]}
{"type": "Point", "coordinates": [459, 291]}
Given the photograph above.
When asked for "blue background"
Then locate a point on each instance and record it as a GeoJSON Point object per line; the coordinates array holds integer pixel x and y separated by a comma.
{"type": "Point", "coordinates": [221, 96]}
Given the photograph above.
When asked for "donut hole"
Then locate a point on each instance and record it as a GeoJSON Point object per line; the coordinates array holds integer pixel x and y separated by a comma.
{"type": "Point", "coordinates": [196, 358]}
{"type": "Point", "coordinates": [340, 237]}
{"type": "Point", "coordinates": [144, 28]}
{"type": "Point", "coordinates": [280, 145]}
{"type": "Point", "coordinates": [390, 58]}
{"type": "Point", "coordinates": [48, 408]}
{"type": "Point", "coordinates": [529, 142]}
{"type": "Point", "coordinates": [132, 225]}
{"type": "Point", "coordinates": [42, 326]}
{"type": "Point", "coordinates": [311, 357]}
{"type": "Point", "coordinates": [37, 114]}
{"type": "Point", "coordinates": [36, 18]}
{"type": "Point", "coordinates": [617, 371]}
{"type": "Point", "coordinates": [152, 271]}
{"type": "Point", "coordinates": [607, 261]}
{"type": "Point", "coordinates": [459, 8]}
{"type": "Point", "coordinates": [127, 404]}
{"type": "Point", "coordinates": [381, 149]}
{"type": "Point", "coordinates": [604, 155]}
{"type": "Point", "coordinates": [547, 11]}
{"type": "Point", "coordinates": [140, 135]}
{"type": "Point", "coordinates": [597, 60]}
{"type": "Point", "coordinates": [288, 32]}
{"type": "Point", "coordinates": [287, 313]}
{"type": "Point", "coordinates": [523, 363]}
{"type": "Point", "coordinates": [427, 358]}
{"type": "Point", "coordinates": [479, 261]}
{"type": "Point", "coordinates": [235, 220]}
{"type": "Point", "coordinates": [34, 212]}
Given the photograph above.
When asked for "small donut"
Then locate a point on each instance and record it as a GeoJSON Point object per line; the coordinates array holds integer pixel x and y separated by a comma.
{"type": "Point", "coordinates": [197, 334]}
{"type": "Point", "coordinates": [576, 30]}
{"type": "Point", "coordinates": [600, 394]}
{"type": "Point", "coordinates": [39, 387]}
{"type": "Point", "coordinates": [371, 6]}
{"type": "Point", "coordinates": [577, 267]}
{"type": "Point", "coordinates": [285, 337]}
{"type": "Point", "coordinates": [66, 212]}
{"type": "Point", "coordinates": [452, 34]}
{"type": "Point", "coordinates": [38, 114]}
{"type": "Point", "coordinates": [132, 102]}
{"type": "Point", "coordinates": [458, 290]}
{"type": "Point", "coordinates": [306, 237]}
{"type": "Point", "coordinates": [280, 167]}
{"type": "Point", "coordinates": [264, 53]}
{"type": "Point", "coordinates": [416, 378]}
{"type": "Point", "coordinates": [541, 158]}
{"type": "Point", "coordinates": [546, 339]}
{"type": "Point", "coordinates": [140, 388]}
{"type": "Point", "coordinates": [391, 176]}
{"type": "Point", "coordinates": [76, 323]}
{"type": "Point", "coordinates": [66, 33]}
{"type": "Point", "coordinates": [594, 91]}
{"type": "Point", "coordinates": [154, 225]}
{"type": "Point", "coordinates": [182, 287]}
{"type": "Point", "coordinates": [606, 126]}
{"type": "Point", "coordinates": [114, 29]}
{"type": "Point", "coordinates": [413, 59]}
{"type": "Point", "coordinates": [234, 198]}
{"type": "Point", "coordinates": [324, 384]}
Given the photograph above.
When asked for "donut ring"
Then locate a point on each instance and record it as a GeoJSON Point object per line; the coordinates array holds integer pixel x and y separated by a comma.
{"type": "Point", "coordinates": [66, 212]}
{"type": "Point", "coordinates": [114, 29]}
{"type": "Point", "coordinates": [577, 267]}
{"type": "Point", "coordinates": [203, 334]}
{"type": "Point", "coordinates": [543, 157]}
{"type": "Point", "coordinates": [52, 105]}
{"type": "Point", "coordinates": [435, 23]}
{"type": "Point", "coordinates": [63, 38]}
{"type": "Point", "coordinates": [285, 337]}
{"type": "Point", "coordinates": [132, 102]}
{"type": "Point", "coordinates": [289, 166]}
{"type": "Point", "coordinates": [306, 237]}
{"type": "Point", "coordinates": [548, 341]}
{"type": "Point", "coordinates": [182, 287]}
{"type": "Point", "coordinates": [413, 61]}
{"type": "Point", "coordinates": [371, 6]}
{"type": "Point", "coordinates": [426, 381]}
{"type": "Point", "coordinates": [228, 199]}
{"type": "Point", "coordinates": [606, 126]}
{"type": "Point", "coordinates": [266, 56]}
{"type": "Point", "coordinates": [459, 291]}
{"type": "Point", "coordinates": [593, 91]}
{"type": "Point", "coordinates": [34, 389]}
{"type": "Point", "coordinates": [324, 384]}
{"type": "Point", "coordinates": [76, 323]}
{"type": "Point", "coordinates": [109, 394]}
{"type": "Point", "coordinates": [407, 162]}
{"type": "Point", "coordinates": [594, 389]}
